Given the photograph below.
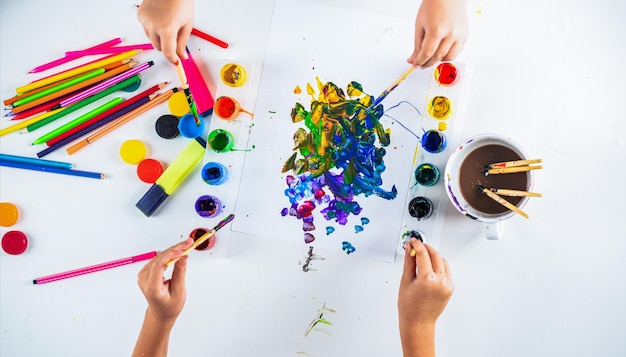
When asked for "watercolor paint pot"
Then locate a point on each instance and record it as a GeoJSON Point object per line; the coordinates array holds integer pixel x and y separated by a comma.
{"type": "Point", "coordinates": [446, 74]}
{"type": "Point", "coordinates": [14, 242]}
{"type": "Point", "coordinates": [434, 141]}
{"type": "Point", "coordinates": [233, 75]}
{"type": "Point", "coordinates": [9, 214]}
{"type": "Point", "coordinates": [420, 208]}
{"type": "Point", "coordinates": [228, 108]}
{"type": "Point", "coordinates": [465, 169]}
{"type": "Point", "coordinates": [220, 140]}
{"type": "Point", "coordinates": [214, 173]}
{"type": "Point", "coordinates": [440, 107]}
{"type": "Point", "coordinates": [208, 206]}
{"type": "Point", "coordinates": [427, 174]}
{"type": "Point", "coordinates": [188, 128]}
{"type": "Point", "coordinates": [197, 234]}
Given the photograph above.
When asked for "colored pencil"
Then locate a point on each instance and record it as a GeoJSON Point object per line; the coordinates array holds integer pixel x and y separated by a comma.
{"type": "Point", "coordinates": [27, 122]}
{"type": "Point", "coordinates": [515, 193]}
{"type": "Point", "coordinates": [81, 69]}
{"type": "Point", "coordinates": [81, 119]}
{"type": "Point", "coordinates": [9, 101]}
{"type": "Point", "coordinates": [117, 49]}
{"type": "Point", "coordinates": [512, 163]}
{"type": "Point", "coordinates": [185, 86]}
{"type": "Point", "coordinates": [81, 104]}
{"type": "Point", "coordinates": [121, 121]}
{"type": "Point", "coordinates": [205, 36]}
{"type": "Point", "coordinates": [95, 268]}
{"type": "Point", "coordinates": [54, 170]}
{"type": "Point", "coordinates": [393, 86]}
{"type": "Point", "coordinates": [501, 200]}
{"type": "Point", "coordinates": [106, 84]}
{"type": "Point", "coordinates": [59, 87]}
{"type": "Point", "coordinates": [203, 238]}
{"type": "Point", "coordinates": [78, 87]}
{"type": "Point", "coordinates": [41, 108]}
{"type": "Point", "coordinates": [66, 59]}
{"type": "Point", "coordinates": [30, 160]}
{"type": "Point", "coordinates": [64, 139]}
{"type": "Point", "coordinates": [84, 64]}
{"type": "Point", "coordinates": [511, 170]}
{"type": "Point", "coordinates": [113, 113]}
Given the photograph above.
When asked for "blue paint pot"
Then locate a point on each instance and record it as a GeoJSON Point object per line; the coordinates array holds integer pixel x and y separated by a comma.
{"type": "Point", "coordinates": [188, 128]}
{"type": "Point", "coordinates": [214, 173]}
{"type": "Point", "coordinates": [434, 141]}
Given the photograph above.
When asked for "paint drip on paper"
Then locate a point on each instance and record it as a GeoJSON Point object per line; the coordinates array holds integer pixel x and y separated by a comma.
{"type": "Point", "coordinates": [338, 157]}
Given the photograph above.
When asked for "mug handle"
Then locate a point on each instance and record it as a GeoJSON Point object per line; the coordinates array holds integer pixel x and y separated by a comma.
{"type": "Point", "coordinates": [494, 231]}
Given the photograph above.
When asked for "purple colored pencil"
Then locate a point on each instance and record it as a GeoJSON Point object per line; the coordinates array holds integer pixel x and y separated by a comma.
{"type": "Point", "coordinates": [106, 84]}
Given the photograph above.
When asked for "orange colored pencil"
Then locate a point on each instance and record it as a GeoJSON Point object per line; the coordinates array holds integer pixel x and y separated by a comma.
{"type": "Point", "coordinates": [76, 87]}
{"type": "Point", "coordinates": [121, 121]}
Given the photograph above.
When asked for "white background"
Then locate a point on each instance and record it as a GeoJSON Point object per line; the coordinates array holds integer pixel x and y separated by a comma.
{"type": "Point", "coordinates": [550, 74]}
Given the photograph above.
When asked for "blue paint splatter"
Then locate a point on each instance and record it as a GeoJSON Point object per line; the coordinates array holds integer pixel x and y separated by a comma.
{"type": "Point", "coordinates": [349, 248]}
{"type": "Point", "coordinates": [358, 229]}
{"type": "Point", "coordinates": [329, 230]}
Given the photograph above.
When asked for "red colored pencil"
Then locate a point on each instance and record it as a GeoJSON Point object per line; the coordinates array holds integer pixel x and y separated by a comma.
{"type": "Point", "coordinates": [206, 36]}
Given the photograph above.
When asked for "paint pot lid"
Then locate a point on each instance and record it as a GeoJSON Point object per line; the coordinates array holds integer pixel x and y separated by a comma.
{"type": "Point", "coordinates": [166, 126]}
{"type": "Point", "coordinates": [149, 170]}
{"type": "Point", "coordinates": [8, 214]}
{"type": "Point", "coordinates": [178, 105]}
{"type": "Point", "coordinates": [133, 151]}
{"type": "Point", "coordinates": [133, 86]}
{"type": "Point", "coordinates": [14, 242]}
{"type": "Point", "coordinates": [188, 127]}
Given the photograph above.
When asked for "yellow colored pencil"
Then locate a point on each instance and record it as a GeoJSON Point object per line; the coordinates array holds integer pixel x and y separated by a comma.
{"type": "Point", "coordinates": [121, 121]}
{"type": "Point", "coordinates": [23, 124]}
{"type": "Point", "coordinates": [501, 200]}
{"type": "Point", "coordinates": [512, 170]}
{"type": "Point", "coordinates": [78, 70]}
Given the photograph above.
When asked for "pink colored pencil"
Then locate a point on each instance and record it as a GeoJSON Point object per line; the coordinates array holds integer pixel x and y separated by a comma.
{"type": "Point", "coordinates": [118, 49]}
{"type": "Point", "coordinates": [67, 58]}
{"type": "Point", "coordinates": [80, 65]}
{"type": "Point", "coordinates": [95, 268]}
{"type": "Point", "coordinates": [106, 84]}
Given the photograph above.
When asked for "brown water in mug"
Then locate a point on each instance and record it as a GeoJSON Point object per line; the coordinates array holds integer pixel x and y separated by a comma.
{"type": "Point", "coordinates": [471, 173]}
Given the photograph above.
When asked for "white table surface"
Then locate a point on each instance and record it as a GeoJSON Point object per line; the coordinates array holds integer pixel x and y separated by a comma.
{"type": "Point", "coordinates": [550, 74]}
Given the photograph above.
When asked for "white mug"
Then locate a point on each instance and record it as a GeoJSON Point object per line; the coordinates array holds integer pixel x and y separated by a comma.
{"type": "Point", "coordinates": [493, 222]}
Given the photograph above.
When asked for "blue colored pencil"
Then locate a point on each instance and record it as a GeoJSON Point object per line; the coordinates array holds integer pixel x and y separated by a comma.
{"type": "Point", "coordinates": [33, 161]}
{"type": "Point", "coordinates": [55, 170]}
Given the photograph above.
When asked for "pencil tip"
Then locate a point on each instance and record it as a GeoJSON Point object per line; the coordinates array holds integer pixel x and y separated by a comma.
{"type": "Point", "coordinates": [35, 281]}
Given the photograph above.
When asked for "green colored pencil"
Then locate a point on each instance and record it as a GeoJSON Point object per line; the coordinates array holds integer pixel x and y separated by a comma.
{"type": "Point", "coordinates": [59, 87]}
{"type": "Point", "coordinates": [81, 104]}
{"type": "Point", "coordinates": [81, 119]}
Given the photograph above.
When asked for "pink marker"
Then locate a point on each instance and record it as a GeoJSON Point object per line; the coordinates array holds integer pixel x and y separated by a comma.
{"type": "Point", "coordinates": [67, 58]}
{"type": "Point", "coordinates": [95, 268]}
{"type": "Point", "coordinates": [198, 86]}
{"type": "Point", "coordinates": [106, 84]}
{"type": "Point", "coordinates": [107, 50]}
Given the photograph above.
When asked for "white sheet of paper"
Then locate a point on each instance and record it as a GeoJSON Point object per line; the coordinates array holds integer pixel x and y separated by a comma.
{"type": "Point", "coordinates": [337, 45]}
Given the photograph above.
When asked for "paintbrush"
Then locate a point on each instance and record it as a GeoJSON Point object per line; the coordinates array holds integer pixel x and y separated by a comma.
{"type": "Point", "coordinates": [185, 85]}
{"type": "Point", "coordinates": [514, 193]}
{"type": "Point", "coordinates": [514, 163]}
{"type": "Point", "coordinates": [203, 238]}
{"type": "Point", "coordinates": [501, 200]}
{"type": "Point", "coordinates": [510, 170]}
{"type": "Point", "coordinates": [393, 86]}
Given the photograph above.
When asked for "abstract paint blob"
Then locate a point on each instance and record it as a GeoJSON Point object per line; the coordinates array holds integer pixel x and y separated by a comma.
{"type": "Point", "coordinates": [347, 247]}
{"type": "Point", "coordinates": [319, 319]}
{"type": "Point", "coordinates": [338, 155]}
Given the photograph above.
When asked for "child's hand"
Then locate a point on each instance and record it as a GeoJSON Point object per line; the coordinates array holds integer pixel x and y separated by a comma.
{"type": "Point", "coordinates": [440, 31]}
{"type": "Point", "coordinates": [168, 25]}
{"type": "Point", "coordinates": [424, 294]}
{"type": "Point", "coordinates": [166, 298]}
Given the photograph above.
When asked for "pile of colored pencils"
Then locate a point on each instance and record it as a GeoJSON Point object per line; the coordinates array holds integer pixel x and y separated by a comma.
{"type": "Point", "coordinates": [43, 101]}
